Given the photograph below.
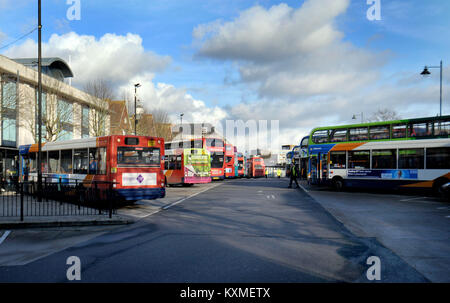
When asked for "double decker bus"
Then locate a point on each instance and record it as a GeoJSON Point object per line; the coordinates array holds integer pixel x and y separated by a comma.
{"type": "Point", "coordinates": [229, 161]}
{"type": "Point", "coordinates": [132, 164]}
{"type": "Point", "coordinates": [255, 167]}
{"type": "Point", "coordinates": [412, 153]}
{"type": "Point", "coordinates": [186, 166]}
{"type": "Point", "coordinates": [240, 165]}
{"type": "Point", "coordinates": [216, 149]}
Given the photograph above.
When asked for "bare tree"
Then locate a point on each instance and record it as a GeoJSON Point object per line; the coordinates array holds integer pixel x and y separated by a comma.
{"type": "Point", "coordinates": [163, 125]}
{"type": "Point", "coordinates": [383, 114]}
{"type": "Point", "coordinates": [101, 94]}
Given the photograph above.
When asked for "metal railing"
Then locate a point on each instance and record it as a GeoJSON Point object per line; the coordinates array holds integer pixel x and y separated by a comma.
{"type": "Point", "coordinates": [59, 197]}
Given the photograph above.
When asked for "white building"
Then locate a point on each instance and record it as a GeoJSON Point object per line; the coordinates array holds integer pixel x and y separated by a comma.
{"type": "Point", "coordinates": [67, 111]}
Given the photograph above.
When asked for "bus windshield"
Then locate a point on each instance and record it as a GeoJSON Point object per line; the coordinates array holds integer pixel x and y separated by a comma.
{"type": "Point", "coordinates": [127, 155]}
{"type": "Point", "coordinates": [217, 160]}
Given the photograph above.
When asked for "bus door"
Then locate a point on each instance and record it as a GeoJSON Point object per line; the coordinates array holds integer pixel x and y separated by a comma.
{"type": "Point", "coordinates": [313, 169]}
{"type": "Point", "coordinates": [323, 167]}
{"type": "Point", "coordinates": [303, 168]}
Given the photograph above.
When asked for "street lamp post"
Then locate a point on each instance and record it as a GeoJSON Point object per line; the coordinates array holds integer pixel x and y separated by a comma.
{"type": "Point", "coordinates": [181, 124]}
{"type": "Point", "coordinates": [39, 159]}
{"type": "Point", "coordinates": [135, 108]}
{"type": "Point", "coordinates": [425, 72]}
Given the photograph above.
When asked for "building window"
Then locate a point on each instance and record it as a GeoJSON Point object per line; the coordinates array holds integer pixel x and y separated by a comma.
{"type": "Point", "coordinates": [85, 122]}
{"type": "Point", "coordinates": [44, 115]}
{"type": "Point", "coordinates": [65, 118]}
{"type": "Point", "coordinates": [9, 98]}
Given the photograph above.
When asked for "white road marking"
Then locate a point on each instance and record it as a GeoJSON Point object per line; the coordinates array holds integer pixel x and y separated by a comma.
{"type": "Point", "coordinates": [447, 216]}
{"type": "Point", "coordinates": [410, 199]}
{"type": "Point", "coordinates": [193, 195]}
{"type": "Point", "coordinates": [6, 234]}
{"type": "Point", "coordinates": [301, 186]}
{"type": "Point", "coordinates": [273, 197]}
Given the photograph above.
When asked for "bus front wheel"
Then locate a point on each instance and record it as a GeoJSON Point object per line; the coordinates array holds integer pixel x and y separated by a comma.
{"type": "Point", "coordinates": [338, 183]}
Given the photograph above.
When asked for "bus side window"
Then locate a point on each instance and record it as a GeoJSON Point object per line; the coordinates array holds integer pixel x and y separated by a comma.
{"type": "Point", "coordinates": [66, 161]}
{"type": "Point", "coordinates": [178, 162]}
{"type": "Point", "coordinates": [101, 156]}
{"type": "Point", "coordinates": [53, 159]}
{"type": "Point", "coordinates": [93, 161]}
{"type": "Point", "coordinates": [166, 162]}
{"type": "Point", "coordinates": [80, 161]}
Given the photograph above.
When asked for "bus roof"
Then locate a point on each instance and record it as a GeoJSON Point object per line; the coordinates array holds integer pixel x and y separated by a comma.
{"type": "Point", "coordinates": [413, 120]}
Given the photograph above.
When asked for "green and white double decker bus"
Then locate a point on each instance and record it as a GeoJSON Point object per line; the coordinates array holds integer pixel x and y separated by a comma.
{"type": "Point", "coordinates": [392, 154]}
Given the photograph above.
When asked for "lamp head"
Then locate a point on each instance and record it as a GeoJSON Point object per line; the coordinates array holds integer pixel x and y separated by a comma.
{"type": "Point", "coordinates": [425, 72]}
{"type": "Point", "coordinates": [137, 85]}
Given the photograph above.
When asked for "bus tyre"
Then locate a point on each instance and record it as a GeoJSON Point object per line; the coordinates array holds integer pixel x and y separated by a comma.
{"type": "Point", "coordinates": [338, 184]}
{"type": "Point", "coordinates": [437, 185]}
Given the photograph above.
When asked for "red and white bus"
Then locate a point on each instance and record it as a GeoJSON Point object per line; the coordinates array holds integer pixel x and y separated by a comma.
{"type": "Point", "coordinates": [186, 166]}
{"type": "Point", "coordinates": [132, 164]}
{"type": "Point", "coordinates": [229, 161]}
{"type": "Point", "coordinates": [255, 167]}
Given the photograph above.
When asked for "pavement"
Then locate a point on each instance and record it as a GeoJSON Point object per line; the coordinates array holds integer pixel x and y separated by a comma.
{"type": "Point", "coordinates": [415, 227]}
{"type": "Point", "coordinates": [234, 231]}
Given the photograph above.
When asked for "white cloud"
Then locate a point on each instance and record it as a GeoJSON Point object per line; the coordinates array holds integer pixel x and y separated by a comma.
{"type": "Point", "coordinates": [162, 96]}
{"type": "Point", "coordinates": [112, 57]}
{"type": "Point", "coordinates": [289, 52]}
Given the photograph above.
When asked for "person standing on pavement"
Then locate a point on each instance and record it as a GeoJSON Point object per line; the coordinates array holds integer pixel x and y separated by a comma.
{"type": "Point", "coordinates": [294, 174]}
{"type": "Point", "coordinates": [267, 172]}
{"type": "Point", "coordinates": [279, 173]}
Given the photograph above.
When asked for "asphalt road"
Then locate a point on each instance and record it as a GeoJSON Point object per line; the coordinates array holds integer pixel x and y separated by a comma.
{"type": "Point", "coordinates": [417, 228]}
{"type": "Point", "coordinates": [240, 231]}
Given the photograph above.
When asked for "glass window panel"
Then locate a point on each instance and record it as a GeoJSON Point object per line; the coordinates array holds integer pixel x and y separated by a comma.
{"type": "Point", "coordinates": [338, 135]}
{"type": "Point", "coordinates": [80, 161]}
{"type": "Point", "coordinates": [358, 134]}
{"type": "Point", "coordinates": [53, 159]}
{"type": "Point", "coordinates": [398, 131]}
{"type": "Point", "coordinates": [442, 128]}
{"type": "Point", "coordinates": [337, 160]}
{"type": "Point", "coordinates": [384, 159]}
{"type": "Point", "coordinates": [438, 158]}
{"type": "Point", "coordinates": [320, 136]}
{"type": "Point", "coordinates": [93, 161]}
{"type": "Point", "coordinates": [66, 161]}
{"type": "Point", "coordinates": [359, 159]}
{"type": "Point", "coordinates": [379, 132]}
{"type": "Point", "coordinates": [9, 95]}
{"type": "Point", "coordinates": [420, 130]}
{"type": "Point", "coordinates": [412, 158]}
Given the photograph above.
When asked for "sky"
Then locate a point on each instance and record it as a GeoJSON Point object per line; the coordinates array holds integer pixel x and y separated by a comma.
{"type": "Point", "coordinates": [302, 63]}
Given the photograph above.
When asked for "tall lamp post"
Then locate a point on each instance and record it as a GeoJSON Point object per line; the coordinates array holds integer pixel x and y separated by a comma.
{"type": "Point", "coordinates": [181, 124]}
{"type": "Point", "coordinates": [425, 72]}
{"type": "Point", "coordinates": [362, 117]}
{"type": "Point", "coordinates": [39, 162]}
{"type": "Point", "coordinates": [135, 108]}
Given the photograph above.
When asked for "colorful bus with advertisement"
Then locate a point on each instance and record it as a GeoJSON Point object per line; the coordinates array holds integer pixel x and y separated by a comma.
{"type": "Point", "coordinates": [412, 153]}
{"type": "Point", "coordinates": [187, 166]}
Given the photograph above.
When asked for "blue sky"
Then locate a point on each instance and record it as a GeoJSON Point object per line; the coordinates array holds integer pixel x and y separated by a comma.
{"type": "Point", "coordinates": [411, 34]}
